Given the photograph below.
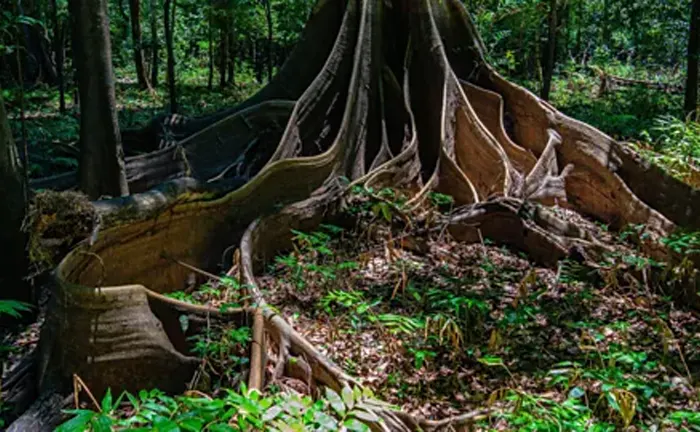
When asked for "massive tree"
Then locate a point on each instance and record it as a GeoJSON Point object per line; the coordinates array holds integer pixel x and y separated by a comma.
{"type": "Point", "coordinates": [381, 93]}
{"type": "Point", "coordinates": [101, 168]}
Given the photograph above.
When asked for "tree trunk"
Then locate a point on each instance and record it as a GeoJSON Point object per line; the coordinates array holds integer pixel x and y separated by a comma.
{"type": "Point", "coordinates": [231, 79]}
{"type": "Point", "coordinates": [154, 42]}
{"type": "Point", "coordinates": [101, 168]}
{"type": "Point", "coordinates": [58, 44]}
{"type": "Point", "coordinates": [551, 52]}
{"type": "Point", "coordinates": [223, 53]}
{"type": "Point", "coordinates": [13, 266]}
{"type": "Point", "coordinates": [139, 62]}
{"type": "Point", "coordinates": [210, 34]}
{"type": "Point", "coordinates": [168, 9]}
{"type": "Point", "coordinates": [268, 19]}
{"type": "Point", "coordinates": [691, 86]}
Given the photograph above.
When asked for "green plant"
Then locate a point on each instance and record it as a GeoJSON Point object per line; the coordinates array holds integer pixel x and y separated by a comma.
{"type": "Point", "coordinates": [679, 138]}
{"type": "Point", "coordinates": [246, 410]}
{"type": "Point", "coordinates": [683, 242]}
{"type": "Point", "coordinates": [529, 412]}
{"type": "Point", "coordinates": [13, 308]}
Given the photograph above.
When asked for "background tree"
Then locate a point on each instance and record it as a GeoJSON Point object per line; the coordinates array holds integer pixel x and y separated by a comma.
{"type": "Point", "coordinates": [169, 7]}
{"type": "Point", "coordinates": [551, 51]}
{"type": "Point", "coordinates": [691, 86]}
{"type": "Point", "coordinates": [59, 53]}
{"type": "Point", "coordinates": [139, 61]}
{"type": "Point", "coordinates": [270, 35]}
{"type": "Point", "coordinates": [13, 203]}
{"type": "Point", "coordinates": [101, 169]}
{"type": "Point", "coordinates": [154, 41]}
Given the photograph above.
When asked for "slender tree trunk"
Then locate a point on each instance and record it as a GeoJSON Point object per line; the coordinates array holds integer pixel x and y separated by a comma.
{"type": "Point", "coordinates": [232, 54]}
{"type": "Point", "coordinates": [135, 13]}
{"type": "Point", "coordinates": [223, 54]}
{"type": "Point", "coordinates": [169, 7]}
{"type": "Point", "coordinates": [210, 81]}
{"type": "Point", "coordinates": [268, 18]}
{"type": "Point", "coordinates": [691, 86]}
{"type": "Point", "coordinates": [13, 266]}
{"type": "Point", "coordinates": [101, 168]}
{"type": "Point", "coordinates": [154, 43]}
{"type": "Point", "coordinates": [58, 43]}
{"type": "Point", "coordinates": [551, 51]}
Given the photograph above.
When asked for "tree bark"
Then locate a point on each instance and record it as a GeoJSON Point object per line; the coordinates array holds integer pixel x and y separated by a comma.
{"type": "Point", "coordinates": [691, 86]}
{"type": "Point", "coordinates": [139, 62]}
{"type": "Point", "coordinates": [231, 79]}
{"type": "Point", "coordinates": [168, 9]}
{"type": "Point", "coordinates": [223, 54]}
{"type": "Point", "coordinates": [154, 43]}
{"type": "Point", "coordinates": [551, 52]}
{"type": "Point", "coordinates": [268, 19]}
{"type": "Point", "coordinates": [101, 167]}
{"type": "Point", "coordinates": [13, 266]}
{"type": "Point", "coordinates": [58, 44]}
{"type": "Point", "coordinates": [210, 34]}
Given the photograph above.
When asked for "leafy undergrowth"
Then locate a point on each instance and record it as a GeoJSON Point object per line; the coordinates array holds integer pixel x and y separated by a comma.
{"type": "Point", "coordinates": [235, 411]}
{"type": "Point", "coordinates": [440, 328]}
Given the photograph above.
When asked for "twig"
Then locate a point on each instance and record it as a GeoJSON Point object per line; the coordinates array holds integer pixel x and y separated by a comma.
{"type": "Point", "coordinates": [79, 384]}
{"type": "Point", "coordinates": [191, 267]}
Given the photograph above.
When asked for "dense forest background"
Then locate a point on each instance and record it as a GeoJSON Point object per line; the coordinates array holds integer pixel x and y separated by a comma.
{"type": "Point", "coordinates": [225, 50]}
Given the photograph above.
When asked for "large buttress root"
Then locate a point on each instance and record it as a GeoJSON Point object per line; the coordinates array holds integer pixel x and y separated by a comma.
{"type": "Point", "coordinates": [401, 96]}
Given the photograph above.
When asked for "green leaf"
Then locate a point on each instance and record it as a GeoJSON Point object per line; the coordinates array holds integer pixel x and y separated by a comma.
{"type": "Point", "coordinates": [107, 402]}
{"type": "Point", "coordinates": [192, 424]}
{"type": "Point", "coordinates": [272, 413]}
{"type": "Point", "coordinates": [348, 397]}
{"type": "Point", "coordinates": [365, 416]}
{"type": "Point", "coordinates": [576, 393]}
{"type": "Point", "coordinates": [102, 423]}
{"type": "Point", "coordinates": [78, 423]}
{"type": "Point", "coordinates": [491, 361]}
{"type": "Point", "coordinates": [355, 425]}
{"type": "Point", "coordinates": [13, 308]}
{"type": "Point", "coordinates": [335, 401]}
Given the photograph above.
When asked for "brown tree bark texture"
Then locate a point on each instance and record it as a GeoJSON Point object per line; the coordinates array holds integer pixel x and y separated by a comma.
{"type": "Point", "coordinates": [101, 165]}
{"type": "Point", "coordinates": [137, 40]}
{"type": "Point", "coordinates": [401, 96]}
{"type": "Point", "coordinates": [13, 204]}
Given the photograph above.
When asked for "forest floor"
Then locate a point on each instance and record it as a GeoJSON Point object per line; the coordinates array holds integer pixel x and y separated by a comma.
{"type": "Point", "coordinates": [438, 328]}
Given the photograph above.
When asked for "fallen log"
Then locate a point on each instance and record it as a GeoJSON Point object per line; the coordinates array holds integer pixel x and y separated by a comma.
{"type": "Point", "coordinates": [609, 82]}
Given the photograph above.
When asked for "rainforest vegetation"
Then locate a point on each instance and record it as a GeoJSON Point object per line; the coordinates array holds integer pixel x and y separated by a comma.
{"type": "Point", "coordinates": [349, 215]}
